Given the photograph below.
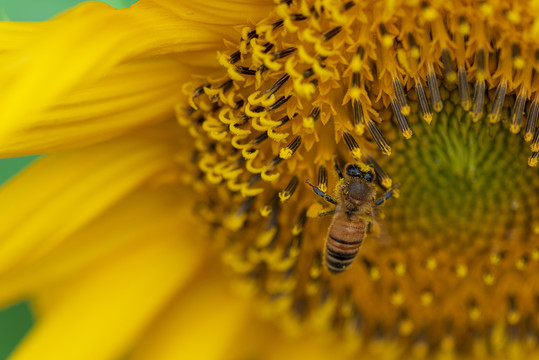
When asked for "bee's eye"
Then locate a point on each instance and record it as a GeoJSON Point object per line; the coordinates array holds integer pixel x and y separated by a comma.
{"type": "Point", "coordinates": [353, 170]}
{"type": "Point", "coordinates": [369, 176]}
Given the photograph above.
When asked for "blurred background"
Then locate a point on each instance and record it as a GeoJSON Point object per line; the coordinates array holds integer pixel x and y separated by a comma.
{"type": "Point", "coordinates": [16, 320]}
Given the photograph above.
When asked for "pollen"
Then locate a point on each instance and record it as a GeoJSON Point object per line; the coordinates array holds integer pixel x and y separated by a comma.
{"type": "Point", "coordinates": [437, 102]}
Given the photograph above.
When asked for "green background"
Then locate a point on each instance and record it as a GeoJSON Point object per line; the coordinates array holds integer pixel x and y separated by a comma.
{"type": "Point", "coordinates": [16, 320]}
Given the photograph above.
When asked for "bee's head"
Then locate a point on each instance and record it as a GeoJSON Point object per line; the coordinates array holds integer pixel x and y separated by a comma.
{"type": "Point", "coordinates": [364, 172]}
{"type": "Point", "coordinates": [359, 188]}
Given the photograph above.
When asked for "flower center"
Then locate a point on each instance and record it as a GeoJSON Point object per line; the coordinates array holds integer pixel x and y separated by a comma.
{"type": "Point", "coordinates": [384, 87]}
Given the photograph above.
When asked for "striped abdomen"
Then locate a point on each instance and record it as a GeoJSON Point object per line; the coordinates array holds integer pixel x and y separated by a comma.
{"type": "Point", "coordinates": [343, 241]}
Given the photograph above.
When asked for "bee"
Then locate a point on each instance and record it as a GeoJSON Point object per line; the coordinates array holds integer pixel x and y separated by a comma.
{"type": "Point", "coordinates": [352, 216]}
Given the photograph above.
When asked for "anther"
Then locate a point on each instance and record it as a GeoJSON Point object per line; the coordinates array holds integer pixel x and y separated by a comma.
{"type": "Point", "coordinates": [348, 5]}
{"type": "Point", "coordinates": [282, 100]}
{"type": "Point", "coordinates": [518, 112]}
{"type": "Point", "coordinates": [386, 38]}
{"type": "Point", "coordinates": [378, 137]}
{"type": "Point", "coordinates": [535, 143]}
{"type": "Point", "coordinates": [533, 159]}
{"type": "Point", "coordinates": [200, 90]}
{"type": "Point", "coordinates": [357, 116]}
{"type": "Point", "coordinates": [401, 97]}
{"type": "Point", "coordinates": [479, 96]}
{"type": "Point", "coordinates": [309, 121]}
{"type": "Point", "coordinates": [531, 121]}
{"type": "Point", "coordinates": [464, 91]}
{"type": "Point", "coordinates": [518, 60]}
{"type": "Point", "coordinates": [267, 209]}
{"type": "Point", "coordinates": [401, 120]}
{"type": "Point", "coordinates": [277, 24]}
{"type": "Point", "coordinates": [434, 90]}
{"type": "Point", "coordinates": [245, 70]}
{"type": "Point", "coordinates": [289, 189]}
{"type": "Point", "coordinates": [268, 47]}
{"type": "Point", "coordinates": [423, 103]}
{"type": "Point", "coordinates": [323, 178]}
{"type": "Point", "coordinates": [283, 53]}
{"type": "Point", "coordinates": [297, 229]}
{"type": "Point", "coordinates": [235, 57]}
{"type": "Point", "coordinates": [352, 145]}
{"type": "Point", "coordinates": [277, 85]}
{"type": "Point", "coordinates": [513, 315]}
{"type": "Point", "coordinates": [381, 176]}
{"type": "Point", "coordinates": [497, 103]}
{"type": "Point", "coordinates": [449, 72]}
{"type": "Point", "coordinates": [308, 73]}
{"type": "Point", "coordinates": [290, 149]}
{"type": "Point", "coordinates": [331, 33]}
{"type": "Point", "coordinates": [298, 17]}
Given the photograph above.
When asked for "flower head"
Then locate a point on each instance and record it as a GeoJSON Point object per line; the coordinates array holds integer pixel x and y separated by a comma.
{"type": "Point", "coordinates": [424, 100]}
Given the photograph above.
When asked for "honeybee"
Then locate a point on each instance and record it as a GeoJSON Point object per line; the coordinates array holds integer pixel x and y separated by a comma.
{"type": "Point", "coordinates": [353, 214]}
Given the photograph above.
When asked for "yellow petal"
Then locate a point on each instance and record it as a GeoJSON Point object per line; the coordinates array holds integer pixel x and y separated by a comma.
{"type": "Point", "coordinates": [201, 324]}
{"type": "Point", "coordinates": [102, 313]}
{"type": "Point", "coordinates": [222, 12]}
{"type": "Point", "coordinates": [141, 216]}
{"type": "Point", "coordinates": [81, 46]}
{"type": "Point", "coordinates": [133, 94]}
{"type": "Point", "coordinates": [60, 193]}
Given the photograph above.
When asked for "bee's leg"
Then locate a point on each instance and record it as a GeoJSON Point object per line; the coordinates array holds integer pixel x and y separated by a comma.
{"type": "Point", "coordinates": [386, 196]}
{"type": "Point", "coordinates": [337, 168]}
{"type": "Point", "coordinates": [322, 194]}
{"type": "Point", "coordinates": [326, 212]}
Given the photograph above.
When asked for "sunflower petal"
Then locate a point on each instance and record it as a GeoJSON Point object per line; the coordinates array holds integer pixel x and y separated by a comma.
{"type": "Point", "coordinates": [100, 315]}
{"type": "Point", "coordinates": [80, 47]}
{"type": "Point", "coordinates": [60, 193]}
{"type": "Point", "coordinates": [196, 326]}
{"type": "Point", "coordinates": [133, 94]}
{"type": "Point", "coordinates": [156, 213]}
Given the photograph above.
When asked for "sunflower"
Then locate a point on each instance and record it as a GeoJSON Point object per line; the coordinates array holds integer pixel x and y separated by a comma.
{"type": "Point", "coordinates": [179, 140]}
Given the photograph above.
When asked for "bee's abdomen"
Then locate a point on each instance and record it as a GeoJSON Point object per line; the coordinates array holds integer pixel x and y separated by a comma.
{"type": "Point", "coordinates": [342, 244]}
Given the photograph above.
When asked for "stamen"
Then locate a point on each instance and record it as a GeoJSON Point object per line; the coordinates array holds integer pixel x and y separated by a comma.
{"type": "Point", "coordinates": [245, 70]}
{"type": "Point", "coordinates": [277, 85]}
{"type": "Point", "coordinates": [401, 97]}
{"type": "Point", "coordinates": [378, 137]}
{"type": "Point", "coordinates": [289, 189]}
{"type": "Point", "coordinates": [290, 149]}
{"type": "Point", "coordinates": [282, 100]}
{"type": "Point", "coordinates": [434, 90]}
{"type": "Point", "coordinates": [518, 112]}
{"type": "Point", "coordinates": [449, 72]}
{"type": "Point", "coordinates": [533, 159]}
{"type": "Point", "coordinates": [352, 145]}
{"type": "Point", "coordinates": [479, 90]}
{"type": "Point", "coordinates": [348, 5]}
{"type": "Point", "coordinates": [235, 57]}
{"type": "Point", "coordinates": [531, 122]}
{"type": "Point", "coordinates": [323, 178]}
{"type": "Point", "coordinates": [298, 17]}
{"type": "Point", "coordinates": [381, 176]}
{"type": "Point", "coordinates": [464, 91]}
{"type": "Point", "coordinates": [309, 121]}
{"type": "Point", "coordinates": [267, 209]}
{"type": "Point", "coordinates": [401, 120]}
{"type": "Point", "coordinates": [497, 103]}
{"type": "Point", "coordinates": [535, 143]}
{"type": "Point", "coordinates": [308, 73]}
{"type": "Point", "coordinates": [331, 33]}
{"type": "Point", "coordinates": [297, 229]}
{"type": "Point", "coordinates": [518, 60]}
{"type": "Point", "coordinates": [423, 103]}
{"type": "Point", "coordinates": [357, 116]}
{"type": "Point", "coordinates": [283, 53]}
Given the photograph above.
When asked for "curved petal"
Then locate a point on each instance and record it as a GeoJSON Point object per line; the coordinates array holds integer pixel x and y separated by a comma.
{"type": "Point", "coordinates": [81, 46]}
{"type": "Point", "coordinates": [143, 215]}
{"type": "Point", "coordinates": [228, 12]}
{"type": "Point", "coordinates": [201, 324]}
{"type": "Point", "coordinates": [134, 94]}
{"type": "Point", "coordinates": [100, 315]}
{"type": "Point", "coordinates": [59, 193]}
